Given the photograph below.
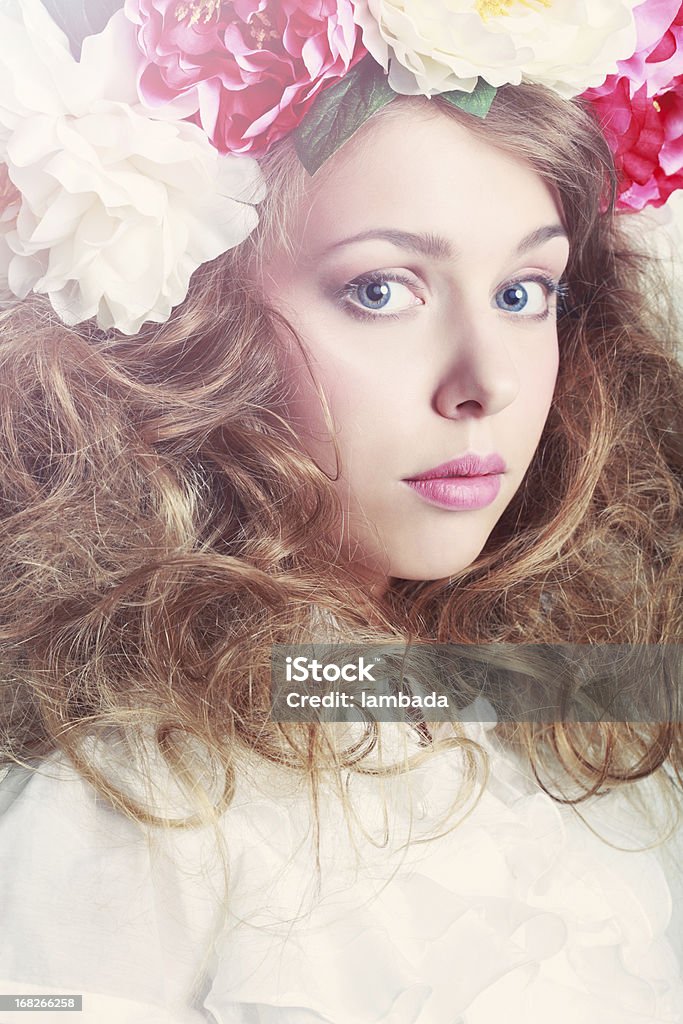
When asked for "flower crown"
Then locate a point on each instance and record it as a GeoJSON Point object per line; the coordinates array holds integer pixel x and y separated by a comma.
{"type": "Point", "coordinates": [127, 165]}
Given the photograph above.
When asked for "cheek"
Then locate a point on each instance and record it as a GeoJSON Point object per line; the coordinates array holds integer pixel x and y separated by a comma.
{"type": "Point", "coordinates": [324, 401]}
{"type": "Point", "coordinates": [350, 389]}
{"type": "Point", "coordinates": [541, 378]}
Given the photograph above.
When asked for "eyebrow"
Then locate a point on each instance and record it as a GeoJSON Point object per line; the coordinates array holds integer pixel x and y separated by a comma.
{"type": "Point", "coordinates": [435, 246]}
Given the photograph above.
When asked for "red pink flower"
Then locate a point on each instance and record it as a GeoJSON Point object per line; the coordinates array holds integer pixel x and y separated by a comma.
{"type": "Point", "coordinates": [640, 108]}
{"type": "Point", "coordinates": [252, 68]}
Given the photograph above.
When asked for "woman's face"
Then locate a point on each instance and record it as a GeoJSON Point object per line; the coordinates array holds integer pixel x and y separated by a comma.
{"type": "Point", "coordinates": [422, 289]}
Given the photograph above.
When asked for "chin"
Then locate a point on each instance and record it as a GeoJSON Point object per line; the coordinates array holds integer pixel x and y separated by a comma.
{"type": "Point", "coordinates": [436, 567]}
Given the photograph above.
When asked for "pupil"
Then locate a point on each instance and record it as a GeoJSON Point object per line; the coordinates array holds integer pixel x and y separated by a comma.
{"type": "Point", "coordinates": [377, 293]}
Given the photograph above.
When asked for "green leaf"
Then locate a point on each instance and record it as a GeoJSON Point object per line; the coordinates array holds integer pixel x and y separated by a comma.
{"type": "Point", "coordinates": [339, 111]}
{"type": "Point", "coordinates": [477, 102]}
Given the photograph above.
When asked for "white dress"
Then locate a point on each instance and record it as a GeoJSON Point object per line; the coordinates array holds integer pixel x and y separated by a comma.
{"type": "Point", "coordinates": [519, 915]}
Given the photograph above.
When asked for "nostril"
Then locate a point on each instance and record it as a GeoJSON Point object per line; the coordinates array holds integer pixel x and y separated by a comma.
{"type": "Point", "coordinates": [470, 407]}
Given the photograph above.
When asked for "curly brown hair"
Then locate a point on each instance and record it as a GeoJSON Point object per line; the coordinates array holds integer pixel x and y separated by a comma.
{"type": "Point", "coordinates": [162, 526]}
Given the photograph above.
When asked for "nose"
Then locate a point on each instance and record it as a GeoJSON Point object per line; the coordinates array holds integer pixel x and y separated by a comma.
{"type": "Point", "coordinates": [479, 376]}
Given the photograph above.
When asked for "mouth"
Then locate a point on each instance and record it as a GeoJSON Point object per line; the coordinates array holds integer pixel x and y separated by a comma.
{"type": "Point", "coordinates": [469, 482]}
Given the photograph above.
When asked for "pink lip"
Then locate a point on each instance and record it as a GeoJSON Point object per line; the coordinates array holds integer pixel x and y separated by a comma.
{"type": "Point", "coordinates": [470, 482]}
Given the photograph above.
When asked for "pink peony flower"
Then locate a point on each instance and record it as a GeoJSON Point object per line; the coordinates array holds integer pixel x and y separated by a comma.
{"type": "Point", "coordinates": [646, 139]}
{"type": "Point", "coordinates": [659, 49]}
{"type": "Point", "coordinates": [252, 67]}
{"type": "Point", "coordinates": [640, 108]}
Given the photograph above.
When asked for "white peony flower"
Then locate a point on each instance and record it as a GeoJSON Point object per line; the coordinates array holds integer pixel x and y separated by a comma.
{"type": "Point", "coordinates": [433, 46]}
{"type": "Point", "coordinates": [119, 204]}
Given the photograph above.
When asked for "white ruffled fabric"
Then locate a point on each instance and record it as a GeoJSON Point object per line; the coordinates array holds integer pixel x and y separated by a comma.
{"type": "Point", "coordinates": [519, 915]}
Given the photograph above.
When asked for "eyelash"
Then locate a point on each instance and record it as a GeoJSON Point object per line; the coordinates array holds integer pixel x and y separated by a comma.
{"type": "Point", "coordinates": [557, 288]}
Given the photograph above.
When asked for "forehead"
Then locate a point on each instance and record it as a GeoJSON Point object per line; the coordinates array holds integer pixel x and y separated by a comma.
{"type": "Point", "coordinates": [421, 171]}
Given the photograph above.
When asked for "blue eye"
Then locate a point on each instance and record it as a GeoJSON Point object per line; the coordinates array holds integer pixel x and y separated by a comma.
{"type": "Point", "coordinates": [374, 294]}
{"type": "Point", "coordinates": [515, 296]}
{"type": "Point", "coordinates": [529, 296]}
{"type": "Point", "coordinates": [385, 293]}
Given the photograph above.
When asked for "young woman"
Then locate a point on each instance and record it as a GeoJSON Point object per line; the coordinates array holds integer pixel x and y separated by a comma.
{"type": "Point", "coordinates": [432, 397]}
